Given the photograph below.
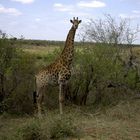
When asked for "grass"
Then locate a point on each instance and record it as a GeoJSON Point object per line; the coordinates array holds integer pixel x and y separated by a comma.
{"type": "Point", "coordinates": [44, 54]}
{"type": "Point", "coordinates": [121, 122]}
{"type": "Point", "coordinates": [50, 47]}
{"type": "Point", "coordinates": [40, 50]}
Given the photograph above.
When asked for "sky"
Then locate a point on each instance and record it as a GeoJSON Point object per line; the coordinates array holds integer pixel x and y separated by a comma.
{"type": "Point", "coordinates": [49, 19]}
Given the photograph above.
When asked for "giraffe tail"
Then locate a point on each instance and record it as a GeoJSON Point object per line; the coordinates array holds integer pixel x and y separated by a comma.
{"type": "Point", "coordinates": [34, 97]}
{"type": "Point", "coordinates": [34, 92]}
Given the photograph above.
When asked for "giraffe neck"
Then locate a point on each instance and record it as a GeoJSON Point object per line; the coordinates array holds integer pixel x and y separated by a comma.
{"type": "Point", "coordinates": [68, 51]}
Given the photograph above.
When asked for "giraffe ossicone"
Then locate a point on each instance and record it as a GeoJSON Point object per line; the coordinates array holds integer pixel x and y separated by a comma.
{"type": "Point", "coordinates": [57, 73]}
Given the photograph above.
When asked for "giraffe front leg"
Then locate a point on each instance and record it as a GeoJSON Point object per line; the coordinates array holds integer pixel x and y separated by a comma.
{"type": "Point", "coordinates": [61, 98]}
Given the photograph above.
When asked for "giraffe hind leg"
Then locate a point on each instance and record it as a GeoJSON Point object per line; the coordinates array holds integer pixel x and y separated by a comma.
{"type": "Point", "coordinates": [40, 97]}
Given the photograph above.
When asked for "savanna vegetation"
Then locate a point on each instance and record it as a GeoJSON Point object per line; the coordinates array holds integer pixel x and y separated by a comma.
{"type": "Point", "coordinates": [102, 97]}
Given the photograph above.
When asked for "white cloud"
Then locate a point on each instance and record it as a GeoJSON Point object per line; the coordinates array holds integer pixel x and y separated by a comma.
{"type": "Point", "coordinates": [24, 1]}
{"type": "Point", "coordinates": [62, 7]}
{"type": "Point", "coordinates": [37, 19]}
{"type": "Point", "coordinates": [70, 9]}
{"type": "Point", "coordinates": [91, 4]}
{"type": "Point", "coordinates": [123, 16]}
{"type": "Point", "coordinates": [130, 16]}
{"type": "Point", "coordinates": [136, 12]}
{"type": "Point", "coordinates": [11, 11]}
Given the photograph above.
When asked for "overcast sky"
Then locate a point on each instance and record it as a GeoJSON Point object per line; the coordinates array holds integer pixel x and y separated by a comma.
{"type": "Point", "coordinates": [49, 19]}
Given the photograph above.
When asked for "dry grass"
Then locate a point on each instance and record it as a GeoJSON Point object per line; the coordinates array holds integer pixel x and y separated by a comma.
{"type": "Point", "coordinates": [36, 50]}
{"type": "Point", "coordinates": [33, 49]}
{"type": "Point", "coordinates": [121, 122]}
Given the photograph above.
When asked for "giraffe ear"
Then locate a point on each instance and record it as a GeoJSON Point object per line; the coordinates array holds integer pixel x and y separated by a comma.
{"type": "Point", "coordinates": [80, 21]}
{"type": "Point", "coordinates": [71, 21]}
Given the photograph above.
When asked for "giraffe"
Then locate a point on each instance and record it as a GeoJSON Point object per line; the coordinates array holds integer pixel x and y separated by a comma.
{"type": "Point", "coordinates": [58, 72]}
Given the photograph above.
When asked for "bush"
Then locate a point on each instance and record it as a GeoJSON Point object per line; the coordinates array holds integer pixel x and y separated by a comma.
{"type": "Point", "coordinates": [7, 53]}
{"type": "Point", "coordinates": [16, 79]}
{"type": "Point", "coordinates": [30, 131]}
{"type": "Point", "coordinates": [98, 76]}
{"type": "Point", "coordinates": [61, 127]}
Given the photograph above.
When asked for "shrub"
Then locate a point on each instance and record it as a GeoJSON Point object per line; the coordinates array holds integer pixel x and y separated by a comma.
{"type": "Point", "coordinates": [7, 53]}
{"type": "Point", "coordinates": [98, 76]}
{"type": "Point", "coordinates": [19, 85]}
{"type": "Point", "coordinates": [61, 127]}
{"type": "Point", "coordinates": [30, 131]}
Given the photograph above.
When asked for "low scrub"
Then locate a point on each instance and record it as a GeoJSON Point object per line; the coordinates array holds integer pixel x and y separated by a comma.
{"type": "Point", "coordinates": [62, 127]}
{"type": "Point", "coordinates": [30, 131]}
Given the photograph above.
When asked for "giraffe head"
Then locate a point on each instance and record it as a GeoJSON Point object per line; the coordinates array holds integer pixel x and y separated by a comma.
{"type": "Point", "coordinates": [75, 22]}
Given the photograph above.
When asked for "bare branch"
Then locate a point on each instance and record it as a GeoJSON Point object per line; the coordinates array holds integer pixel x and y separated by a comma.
{"type": "Point", "coordinates": [109, 30]}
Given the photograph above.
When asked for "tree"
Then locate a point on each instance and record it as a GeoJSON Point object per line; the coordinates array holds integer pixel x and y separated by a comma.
{"type": "Point", "coordinates": [109, 30]}
{"type": "Point", "coordinates": [2, 34]}
{"type": "Point", "coordinates": [16, 78]}
{"type": "Point", "coordinates": [6, 54]}
{"type": "Point", "coordinates": [112, 67]}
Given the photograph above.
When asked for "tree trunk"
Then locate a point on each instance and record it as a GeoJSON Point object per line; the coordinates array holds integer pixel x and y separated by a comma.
{"type": "Point", "coordinates": [2, 91]}
{"type": "Point", "coordinates": [87, 84]}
